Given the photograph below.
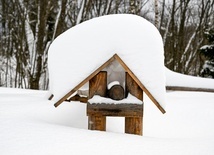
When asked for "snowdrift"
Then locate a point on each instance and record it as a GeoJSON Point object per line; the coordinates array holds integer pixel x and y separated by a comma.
{"type": "Point", "coordinates": [181, 80]}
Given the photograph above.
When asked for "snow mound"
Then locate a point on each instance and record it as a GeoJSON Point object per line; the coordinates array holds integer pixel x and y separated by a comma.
{"type": "Point", "coordinates": [181, 80]}
{"type": "Point", "coordinates": [79, 51]}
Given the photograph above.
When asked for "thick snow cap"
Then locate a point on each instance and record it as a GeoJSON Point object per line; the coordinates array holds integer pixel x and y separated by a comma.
{"type": "Point", "coordinates": [79, 51]}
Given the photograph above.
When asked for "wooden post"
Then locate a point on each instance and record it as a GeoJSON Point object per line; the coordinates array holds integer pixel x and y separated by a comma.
{"type": "Point", "coordinates": [133, 88]}
{"type": "Point", "coordinates": [134, 125]}
{"type": "Point", "coordinates": [96, 122]}
{"type": "Point", "coordinates": [97, 86]}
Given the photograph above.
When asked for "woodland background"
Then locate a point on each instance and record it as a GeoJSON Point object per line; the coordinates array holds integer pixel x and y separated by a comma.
{"type": "Point", "coordinates": [28, 27]}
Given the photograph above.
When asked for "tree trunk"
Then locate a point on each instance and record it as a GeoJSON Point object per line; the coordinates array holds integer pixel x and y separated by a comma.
{"type": "Point", "coordinates": [156, 14]}
{"type": "Point", "coordinates": [43, 8]}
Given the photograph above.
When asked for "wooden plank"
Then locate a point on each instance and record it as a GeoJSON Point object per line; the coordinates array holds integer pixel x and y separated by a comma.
{"type": "Point", "coordinates": [179, 88]}
{"type": "Point", "coordinates": [134, 125]}
{"type": "Point", "coordinates": [122, 109]}
{"type": "Point", "coordinates": [139, 83]}
{"type": "Point", "coordinates": [84, 81]}
{"type": "Point", "coordinates": [133, 88]}
{"type": "Point", "coordinates": [97, 122]}
{"type": "Point", "coordinates": [51, 96]}
{"type": "Point", "coordinates": [98, 85]}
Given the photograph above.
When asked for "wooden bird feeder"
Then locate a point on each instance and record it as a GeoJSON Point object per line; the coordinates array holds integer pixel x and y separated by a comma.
{"type": "Point", "coordinates": [97, 111]}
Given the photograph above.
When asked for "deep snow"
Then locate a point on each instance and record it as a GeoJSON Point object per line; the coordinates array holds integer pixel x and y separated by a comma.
{"type": "Point", "coordinates": [29, 124]}
{"type": "Point", "coordinates": [181, 80]}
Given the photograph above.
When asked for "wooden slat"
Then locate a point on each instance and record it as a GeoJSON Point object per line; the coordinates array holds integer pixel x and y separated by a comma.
{"type": "Point", "coordinates": [98, 85]}
{"type": "Point", "coordinates": [134, 125]}
{"type": "Point", "coordinates": [133, 88]}
{"type": "Point", "coordinates": [97, 122]}
{"type": "Point", "coordinates": [139, 83]}
{"type": "Point", "coordinates": [84, 81]}
{"type": "Point", "coordinates": [179, 88]}
{"type": "Point", "coordinates": [121, 110]}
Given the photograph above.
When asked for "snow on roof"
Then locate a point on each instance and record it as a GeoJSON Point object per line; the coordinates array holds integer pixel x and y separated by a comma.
{"type": "Point", "coordinates": [79, 51]}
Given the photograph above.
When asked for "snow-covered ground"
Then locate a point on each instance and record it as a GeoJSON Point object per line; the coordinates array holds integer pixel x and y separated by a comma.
{"type": "Point", "coordinates": [30, 124]}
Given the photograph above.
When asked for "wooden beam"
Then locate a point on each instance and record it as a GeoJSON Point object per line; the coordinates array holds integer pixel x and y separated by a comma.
{"type": "Point", "coordinates": [133, 88]}
{"type": "Point", "coordinates": [180, 88]}
{"type": "Point", "coordinates": [98, 85]}
{"type": "Point", "coordinates": [139, 83]}
{"type": "Point", "coordinates": [96, 122]}
{"type": "Point", "coordinates": [134, 125]}
{"type": "Point", "coordinates": [121, 110]}
{"type": "Point", "coordinates": [84, 81]}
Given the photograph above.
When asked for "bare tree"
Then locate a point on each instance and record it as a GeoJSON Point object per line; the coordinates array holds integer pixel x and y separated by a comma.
{"type": "Point", "coordinates": [182, 34]}
{"type": "Point", "coordinates": [156, 13]}
{"type": "Point", "coordinates": [28, 27]}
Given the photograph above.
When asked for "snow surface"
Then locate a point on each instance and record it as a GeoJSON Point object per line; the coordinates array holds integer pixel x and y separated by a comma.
{"type": "Point", "coordinates": [79, 51]}
{"type": "Point", "coordinates": [130, 99]}
{"type": "Point", "coordinates": [31, 125]}
{"type": "Point", "coordinates": [177, 79]}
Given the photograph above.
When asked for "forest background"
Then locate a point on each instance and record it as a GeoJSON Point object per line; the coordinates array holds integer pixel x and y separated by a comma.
{"type": "Point", "coordinates": [28, 27]}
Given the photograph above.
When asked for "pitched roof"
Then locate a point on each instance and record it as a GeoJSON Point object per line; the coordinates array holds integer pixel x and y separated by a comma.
{"type": "Point", "coordinates": [126, 68]}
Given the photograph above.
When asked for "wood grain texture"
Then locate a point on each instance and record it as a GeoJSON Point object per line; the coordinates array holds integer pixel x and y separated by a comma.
{"type": "Point", "coordinates": [134, 125]}
{"type": "Point", "coordinates": [97, 122]}
{"type": "Point", "coordinates": [122, 110]}
{"type": "Point", "coordinates": [98, 85]}
{"type": "Point", "coordinates": [133, 88]}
